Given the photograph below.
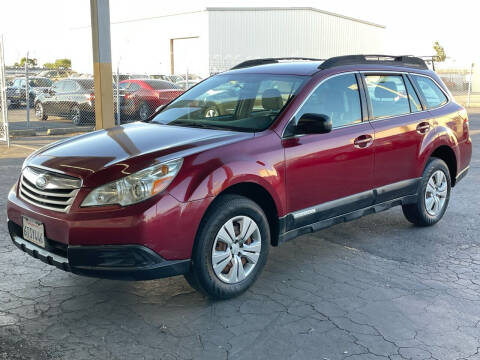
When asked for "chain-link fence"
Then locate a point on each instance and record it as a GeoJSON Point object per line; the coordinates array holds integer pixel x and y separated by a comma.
{"type": "Point", "coordinates": [463, 81]}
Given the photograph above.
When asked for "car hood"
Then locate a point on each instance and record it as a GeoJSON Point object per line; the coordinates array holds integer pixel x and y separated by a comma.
{"type": "Point", "coordinates": [106, 155]}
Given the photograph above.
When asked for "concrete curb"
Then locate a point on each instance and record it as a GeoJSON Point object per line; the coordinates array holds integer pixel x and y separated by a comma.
{"type": "Point", "coordinates": [26, 132]}
{"type": "Point", "coordinates": [54, 131]}
{"type": "Point", "coordinates": [63, 131]}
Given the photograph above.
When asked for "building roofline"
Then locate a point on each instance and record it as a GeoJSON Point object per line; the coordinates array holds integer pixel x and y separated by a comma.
{"type": "Point", "coordinates": [276, 8]}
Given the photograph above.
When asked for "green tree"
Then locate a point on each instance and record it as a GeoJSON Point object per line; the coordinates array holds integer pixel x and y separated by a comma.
{"type": "Point", "coordinates": [31, 62]}
{"type": "Point", "coordinates": [440, 52]}
{"type": "Point", "coordinates": [49, 66]}
{"type": "Point", "coordinates": [63, 63]}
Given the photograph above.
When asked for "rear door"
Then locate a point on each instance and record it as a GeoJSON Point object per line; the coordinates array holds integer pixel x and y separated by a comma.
{"type": "Point", "coordinates": [400, 128]}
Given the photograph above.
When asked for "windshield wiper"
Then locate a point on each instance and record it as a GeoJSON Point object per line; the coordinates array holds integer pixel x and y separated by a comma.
{"type": "Point", "coordinates": [196, 124]}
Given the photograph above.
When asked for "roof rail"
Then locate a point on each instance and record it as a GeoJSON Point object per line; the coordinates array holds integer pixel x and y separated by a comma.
{"type": "Point", "coordinates": [255, 62]}
{"type": "Point", "coordinates": [402, 60]}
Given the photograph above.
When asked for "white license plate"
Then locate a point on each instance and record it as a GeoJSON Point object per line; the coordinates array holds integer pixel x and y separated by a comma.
{"type": "Point", "coordinates": [33, 231]}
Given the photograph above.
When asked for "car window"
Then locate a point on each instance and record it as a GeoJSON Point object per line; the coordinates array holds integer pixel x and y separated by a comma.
{"type": "Point", "coordinates": [434, 97]}
{"type": "Point", "coordinates": [161, 85]}
{"type": "Point", "coordinates": [388, 95]}
{"type": "Point", "coordinates": [39, 82]}
{"type": "Point", "coordinates": [16, 83]}
{"type": "Point", "coordinates": [338, 98]}
{"type": "Point", "coordinates": [58, 86]}
{"type": "Point", "coordinates": [123, 85]}
{"type": "Point", "coordinates": [415, 104]}
{"type": "Point", "coordinates": [133, 87]}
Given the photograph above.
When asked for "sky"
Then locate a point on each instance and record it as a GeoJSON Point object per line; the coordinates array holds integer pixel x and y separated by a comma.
{"type": "Point", "coordinates": [412, 26]}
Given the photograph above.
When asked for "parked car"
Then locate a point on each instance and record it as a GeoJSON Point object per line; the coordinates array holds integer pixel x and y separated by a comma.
{"type": "Point", "coordinates": [72, 98]}
{"type": "Point", "coordinates": [309, 145]}
{"type": "Point", "coordinates": [184, 84]}
{"type": "Point", "coordinates": [55, 74]}
{"type": "Point", "coordinates": [17, 93]}
{"type": "Point", "coordinates": [142, 96]}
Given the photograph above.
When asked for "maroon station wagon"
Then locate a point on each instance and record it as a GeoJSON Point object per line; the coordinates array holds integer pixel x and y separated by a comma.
{"type": "Point", "coordinates": [245, 160]}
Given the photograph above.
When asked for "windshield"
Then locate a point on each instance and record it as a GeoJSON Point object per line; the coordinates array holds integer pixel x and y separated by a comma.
{"type": "Point", "coordinates": [238, 102]}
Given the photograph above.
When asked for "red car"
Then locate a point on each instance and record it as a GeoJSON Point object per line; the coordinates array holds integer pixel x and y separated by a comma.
{"type": "Point", "coordinates": [291, 148]}
{"type": "Point", "coordinates": [141, 97]}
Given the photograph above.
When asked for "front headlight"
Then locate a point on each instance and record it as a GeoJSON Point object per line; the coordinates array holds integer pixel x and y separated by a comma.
{"type": "Point", "coordinates": [135, 187]}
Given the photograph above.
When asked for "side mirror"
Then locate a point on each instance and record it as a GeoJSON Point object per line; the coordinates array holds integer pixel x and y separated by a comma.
{"type": "Point", "coordinates": [313, 124]}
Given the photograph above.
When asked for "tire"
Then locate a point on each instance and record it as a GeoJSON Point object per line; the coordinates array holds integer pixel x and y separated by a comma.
{"type": "Point", "coordinates": [224, 282]}
{"type": "Point", "coordinates": [433, 195]}
{"type": "Point", "coordinates": [40, 112]}
{"type": "Point", "coordinates": [76, 115]}
{"type": "Point", "coordinates": [144, 111]}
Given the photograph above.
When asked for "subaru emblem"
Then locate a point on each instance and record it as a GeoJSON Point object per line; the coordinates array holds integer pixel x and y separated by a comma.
{"type": "Point", "coordinates": [41, 182]}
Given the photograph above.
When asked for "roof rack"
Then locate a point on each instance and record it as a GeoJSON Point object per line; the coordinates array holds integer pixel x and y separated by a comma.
{"type": "Point", "coordinates": [403, 60]}
{"type": "Point", "coordinates": [255, 62]}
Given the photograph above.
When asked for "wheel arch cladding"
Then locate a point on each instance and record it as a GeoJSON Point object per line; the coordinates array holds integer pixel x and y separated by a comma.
{"type": "Point", "coordinates": [262, 197]}
{"type": "Point", "coordinates": [446, 154]}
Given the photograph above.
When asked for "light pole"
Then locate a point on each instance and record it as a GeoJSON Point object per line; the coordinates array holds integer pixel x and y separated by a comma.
{"type": "Point", "coordinates": [27, 91]}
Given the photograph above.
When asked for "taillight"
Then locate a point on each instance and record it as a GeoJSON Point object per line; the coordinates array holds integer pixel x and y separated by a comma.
{"type": "Point", "coordinates": [90, 97]}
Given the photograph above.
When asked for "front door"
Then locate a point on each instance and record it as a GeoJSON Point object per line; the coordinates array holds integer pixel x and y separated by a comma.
{"type": "Point", "coordinates": [330, 174]}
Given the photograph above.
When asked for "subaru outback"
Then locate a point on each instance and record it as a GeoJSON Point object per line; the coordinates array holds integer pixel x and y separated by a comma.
{"type": "Point", "coordinates": [244, 160]}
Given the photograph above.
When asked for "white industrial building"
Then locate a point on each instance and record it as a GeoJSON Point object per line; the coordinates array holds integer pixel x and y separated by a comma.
{"type": "Point", "coordinates": [214, 39]}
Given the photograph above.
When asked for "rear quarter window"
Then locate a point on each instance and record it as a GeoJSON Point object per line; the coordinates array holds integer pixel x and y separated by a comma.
{"type": "Point", "coordinates": [433, 95]}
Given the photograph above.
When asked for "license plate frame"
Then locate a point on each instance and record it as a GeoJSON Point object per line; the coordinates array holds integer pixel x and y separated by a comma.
{"type": "Point", "coordinates": [33, 231]}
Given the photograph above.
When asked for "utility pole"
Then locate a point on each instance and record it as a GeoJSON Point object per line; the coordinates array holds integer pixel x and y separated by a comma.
{"type": "Point", "coordinates": [102, 64]}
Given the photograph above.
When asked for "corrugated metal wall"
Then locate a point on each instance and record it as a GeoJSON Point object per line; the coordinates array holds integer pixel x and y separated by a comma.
{"type": "Point", "coordinates": [238, 35]}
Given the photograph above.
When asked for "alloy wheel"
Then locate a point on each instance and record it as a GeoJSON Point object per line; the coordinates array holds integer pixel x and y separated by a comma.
{"type": "Point", "coordinates": [144, 112]}
{"type": "Point", "coordinates": [236, 249]}
{"type": "Point", "coordinates": [436, 193]}
{"type": "Point", "coordinates": [75, 114]}
{"type": "Point", "coordinates": [39, 111]}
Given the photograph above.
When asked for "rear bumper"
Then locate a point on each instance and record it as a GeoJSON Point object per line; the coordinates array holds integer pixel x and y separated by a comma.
{"type": "Point", "coordinates": [119, 262]}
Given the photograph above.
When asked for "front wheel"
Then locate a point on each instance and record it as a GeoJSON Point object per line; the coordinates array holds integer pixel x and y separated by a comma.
{"type": "Point", "coordinates": [231, 248]}
{"type": "Point", "coordinates": [433, 195]}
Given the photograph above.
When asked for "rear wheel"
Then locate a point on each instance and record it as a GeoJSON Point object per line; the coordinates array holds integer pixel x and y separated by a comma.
{"type": "Point", "coordinates": [76, 115]}
{"type": "Point", "coordinates": [433, 195]}
{"type": "Point", "coordinates": [231, 248]}
{"type": "Point", "coordinates": [40, 112]}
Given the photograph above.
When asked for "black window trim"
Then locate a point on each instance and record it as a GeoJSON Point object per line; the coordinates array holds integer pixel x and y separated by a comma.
{"type": "Point", "coordinates": [362, 105]}
{"type": "Point", "coordinates": [408, 80]}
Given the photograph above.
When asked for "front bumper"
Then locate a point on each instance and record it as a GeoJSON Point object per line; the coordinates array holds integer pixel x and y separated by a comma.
{"type": "Point", "coordinates": [119, 262]}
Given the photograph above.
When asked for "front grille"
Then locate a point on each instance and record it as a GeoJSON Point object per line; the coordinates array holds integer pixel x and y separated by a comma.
{"type": "Point", "coordinates": [48, 190]}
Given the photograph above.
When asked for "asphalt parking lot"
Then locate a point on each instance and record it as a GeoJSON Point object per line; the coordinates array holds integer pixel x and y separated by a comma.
{"type": "Point", "coordinates": [375, 288]}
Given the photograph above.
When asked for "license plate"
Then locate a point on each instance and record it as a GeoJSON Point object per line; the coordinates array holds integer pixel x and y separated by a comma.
{"type": "Point", "coordinates": [33, 231]}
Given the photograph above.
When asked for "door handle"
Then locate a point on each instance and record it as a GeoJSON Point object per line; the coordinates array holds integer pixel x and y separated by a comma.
{"type": "Point", "coordinates": [363, 141]}
{"type": "Point", "coordinates": [423, 128]}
